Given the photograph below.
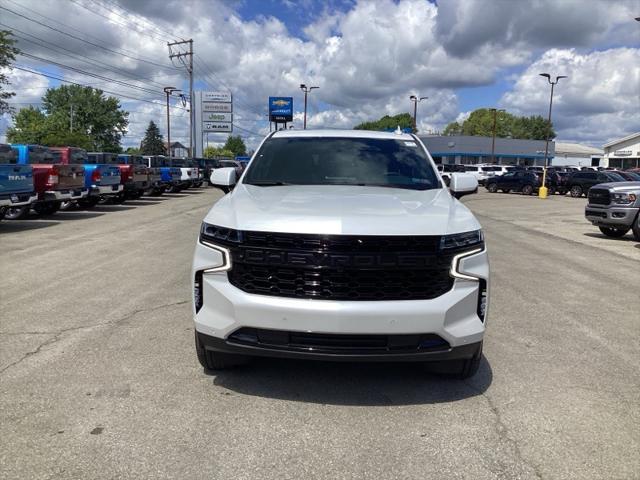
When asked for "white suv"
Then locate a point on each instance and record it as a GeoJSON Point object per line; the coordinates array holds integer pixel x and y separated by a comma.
{"type": "Point", "coordinates": [341, 245]}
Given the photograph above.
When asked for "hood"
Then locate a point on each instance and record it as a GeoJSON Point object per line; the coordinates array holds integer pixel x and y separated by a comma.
{"type": "Point", "coordinates": [342, 210]}
{"type": "Point", "coordinates": [620, 186]}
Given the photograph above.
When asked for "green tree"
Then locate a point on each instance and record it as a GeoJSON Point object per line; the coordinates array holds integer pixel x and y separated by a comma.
{"type": "Point", "coordinates": [63, 139]}
{"type": "Point", "coordinates": [7, 55]}
{"type": "Point", "coordinates": [133, 151]}
{"type": "Point", "coordinates": [153, 143]}
{"type": "Point", "coordinates": [215, 152]}
{"type": "Point", "coordinates": [454, 128]}
{"type": "Point", "coordinates": [236, 145]}
{"type": "Point", "coordinates": [480, 123]}
{"type": "Point", "coordinates": [402, 120]}
{"type": "Point", "coordinates": [92, 113]}
{"type": "Point", "coordinates": [29, 126]}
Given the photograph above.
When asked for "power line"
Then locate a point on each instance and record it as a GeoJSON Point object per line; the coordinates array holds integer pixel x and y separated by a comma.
{"type": "Point", "coordinates": [35, 72]}
{"type": "Point", "coordinates": [77, 55]}
{"type": "Point", "coordinates": [126, 25]}
{"type": "Point", "coordinates": [90, 74]}
{"type": "Point", "coordinates": [86, 41]}
{"type": "Point", "coordinates": [141, 18]}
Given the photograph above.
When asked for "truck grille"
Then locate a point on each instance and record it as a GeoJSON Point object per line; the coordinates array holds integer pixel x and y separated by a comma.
{"type": "Point", "coordinates": [336, 267]}
{"type": "Point", "coordinates": [599, 196]}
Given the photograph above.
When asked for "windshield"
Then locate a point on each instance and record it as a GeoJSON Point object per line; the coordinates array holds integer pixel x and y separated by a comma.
{"type": "Point", "coordinates": [342, 161]}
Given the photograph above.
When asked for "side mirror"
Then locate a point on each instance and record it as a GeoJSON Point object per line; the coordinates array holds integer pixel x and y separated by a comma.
{"type": "Point", "coordinates": [463, 184]}
{"type": "Point", "coordinates": [223, 177]}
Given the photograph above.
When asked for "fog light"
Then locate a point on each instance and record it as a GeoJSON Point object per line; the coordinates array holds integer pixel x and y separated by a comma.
{"type": "Point", "coordinates": [617, 214]}
{"type": "Point", "coordinates": [197, 291]}
{"type": "Point", "coordinates": [482, 300]}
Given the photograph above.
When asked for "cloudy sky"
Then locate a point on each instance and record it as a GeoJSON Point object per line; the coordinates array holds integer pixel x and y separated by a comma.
{"type": "Point", "coordinates": [366, 56]}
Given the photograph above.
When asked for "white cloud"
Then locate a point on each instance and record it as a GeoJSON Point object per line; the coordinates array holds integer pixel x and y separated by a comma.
{"type": "Point", "coordinates": [598, 101]}
{"type": "Point", "coordinates": [367, 58]}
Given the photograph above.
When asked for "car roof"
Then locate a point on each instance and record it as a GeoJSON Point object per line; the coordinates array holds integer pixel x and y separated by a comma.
{"type": "Point", "coordinates": [336, 133]}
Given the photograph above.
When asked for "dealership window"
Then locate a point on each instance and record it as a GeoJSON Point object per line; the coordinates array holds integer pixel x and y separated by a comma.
{"type": "Point", "coordinates": [630, 163]}
{"type": "Point", "coordinates": [615, 162]}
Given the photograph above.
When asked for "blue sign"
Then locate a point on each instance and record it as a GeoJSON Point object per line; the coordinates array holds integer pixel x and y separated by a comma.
{"type": "Point", "coordinates": [280, 109]}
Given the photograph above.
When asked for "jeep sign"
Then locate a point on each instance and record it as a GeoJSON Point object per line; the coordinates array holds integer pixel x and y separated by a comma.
{"type": "Point", "coordinates": [217, 117]}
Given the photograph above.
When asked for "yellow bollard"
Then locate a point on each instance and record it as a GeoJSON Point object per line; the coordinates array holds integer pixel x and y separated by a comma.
{"type": "Point", "coordinates": [542, 192]}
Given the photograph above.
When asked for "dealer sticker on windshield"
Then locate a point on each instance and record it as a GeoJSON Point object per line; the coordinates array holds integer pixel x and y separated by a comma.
{"type": "Point", "coordinates": [410, 144]}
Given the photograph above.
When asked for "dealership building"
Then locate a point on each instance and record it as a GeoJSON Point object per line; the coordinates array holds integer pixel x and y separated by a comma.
{"type": "Point", "coordinates": [468, 150]}
{"type": "Point", "coordinates": [622, 153]}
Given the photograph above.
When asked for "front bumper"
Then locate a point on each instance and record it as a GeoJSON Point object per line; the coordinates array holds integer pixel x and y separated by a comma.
{"type": "Point", "coordinates": [230, 345]}
{"type": "Point", "coordinates": [18, 199]}
{"type": "Point", "coordinates": [611, 216]}
{"type": "Point", "coordinates": [452, 316]}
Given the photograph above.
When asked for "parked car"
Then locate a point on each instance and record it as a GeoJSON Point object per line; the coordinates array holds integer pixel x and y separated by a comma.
{"type": "Point", "coordinates": [343, 246]}
{"type": "Point", "coordinates": [579, 183]}
{"type": "Point", "coordinates": [143, 178]}
{"type": "Point", "coordinates": [16, 181]}
{"type": "Point", "coordinates": [169, 176]}
{"type": "Point", "coordinates": [54, 182]}
{"type": "Point", "coordinates": [188, 172]}
{"type": "Point", "coordinates": [524, 181]}
{"type": "Point", "coordinates": [628, 176]}
{"type": "Point", "coordinates": [129, 188]}
{"type": "Point", "coordinates": [101, 180]}
{"type": "Point", "coordinates": [480, 172]}
{"type": "Point", "coordinates": [446, 169]}
{"type": "Point", "coordinates": [614, 208]}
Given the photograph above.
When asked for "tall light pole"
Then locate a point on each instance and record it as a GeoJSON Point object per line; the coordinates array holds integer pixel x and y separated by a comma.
{"type": "Point", "coordinates": [306, 90]}
{"type": "Point", "coordinates": [493, 136]}
{"type": "Point", "coordinates": [415, 99]}
{"type": "Point", "coordinates": [169, 91]}
{"type": "Point", "coordinates": [542, 192]}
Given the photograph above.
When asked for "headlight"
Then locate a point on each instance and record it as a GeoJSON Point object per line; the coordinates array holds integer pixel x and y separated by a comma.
{"type": "Point", "coordinates": [462, 241]}
{"type": "Point", "coordinates": [623, 198]}
{"type": "Point", "coordinates": [463, 245]}
{"type": "Point", "coordinates": [211, 236]}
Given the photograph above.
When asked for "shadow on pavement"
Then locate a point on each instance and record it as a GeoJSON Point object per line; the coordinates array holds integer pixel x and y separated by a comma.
{"type": "Point", "coordinates": [360, 384]}
{"type": "Point", "coordinates": [77, 215]}
{"type": "Point", "coordinates": [7, 226]}
{"type": "Point", "coordinates": [626, 238]}
{"type": "Point", "coordinates": [174, 195]}
{"type": "Point", "coordinates": [112, 208]}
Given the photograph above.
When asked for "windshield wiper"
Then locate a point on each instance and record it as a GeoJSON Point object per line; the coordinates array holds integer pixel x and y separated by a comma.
{"type": "Point", "coordinates": [267, 184]}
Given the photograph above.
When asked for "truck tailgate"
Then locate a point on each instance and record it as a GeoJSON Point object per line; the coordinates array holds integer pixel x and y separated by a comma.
{"type": "Point", "coordinates": [109, 175]}
{"type": "Point", "coordinates": [15, 179]}
{"type": "Point", "coordinates": [70, 177]}
{"type": "Point", "coordinates": [140, 173]}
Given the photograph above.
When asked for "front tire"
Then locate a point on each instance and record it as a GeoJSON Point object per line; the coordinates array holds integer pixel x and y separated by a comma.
{"type": "Point", "coordinates": [527, 190]}
{"type": "Point", "coordinates": [614, 232]}
{"type": "Point", "coordinates": [576, 191]}
{"type": "Point", "coordinates": [492, 187]}
{"type": "Point", "coordinates": [17, 213]}
{"type": "Point", "coordinates": [212, 361]}
{"type": "Point", "coordinates": [636, 228]}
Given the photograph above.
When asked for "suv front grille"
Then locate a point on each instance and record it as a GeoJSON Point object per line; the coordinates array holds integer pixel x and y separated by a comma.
{"type": "Point", "coordinates": [599, 196]}
{"type": "Point", "coordinates": [336, 267]}
{"type": "Point", "coordinates": [338, 343]}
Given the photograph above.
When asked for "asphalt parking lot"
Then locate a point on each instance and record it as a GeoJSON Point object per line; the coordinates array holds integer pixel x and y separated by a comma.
{"type": "Point", "coordinates": [99, 379]}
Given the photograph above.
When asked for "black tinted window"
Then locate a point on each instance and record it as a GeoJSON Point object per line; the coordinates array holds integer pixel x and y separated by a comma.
{"type": "Point", "coordinates": [343, 161]}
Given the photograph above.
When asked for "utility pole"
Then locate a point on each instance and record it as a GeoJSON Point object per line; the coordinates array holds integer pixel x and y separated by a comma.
{"type": "Point", "coordinates": [415, 99]}
{"type": "Point", "coordinates": [493, 135]}
{"type": "Point", "coordinates": [71, 118]}
{"type": "Point", "coordinates": [542, 192]}
{"type": "Point", "coordinates": [306, 90]}
{"type": "Point", "coordinates": [189, 66]}
{"type": "Point", "coordinates": [169, 91]}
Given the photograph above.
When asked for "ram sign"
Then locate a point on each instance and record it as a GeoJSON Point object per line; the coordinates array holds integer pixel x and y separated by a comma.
{"type": "Point", "coordinates": [216, 127]}
{"type": "Point", "coordinates": [280, 109]}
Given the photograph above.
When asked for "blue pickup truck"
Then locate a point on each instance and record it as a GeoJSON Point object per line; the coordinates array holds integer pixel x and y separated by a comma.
{"type": "Point", "coordinates": [103, 181]}
{"type": "Point", "coordinates": [169, 176]}
{"type": "Point", "coordinates": [16, 181]}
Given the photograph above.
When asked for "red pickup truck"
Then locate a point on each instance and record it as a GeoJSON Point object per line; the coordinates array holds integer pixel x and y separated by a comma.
{"type": "Point", "coordinates": [53, 182]}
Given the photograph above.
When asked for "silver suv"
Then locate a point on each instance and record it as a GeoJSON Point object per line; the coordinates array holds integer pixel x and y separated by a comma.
{"type": "Point", "coordinates": [341, 245]}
